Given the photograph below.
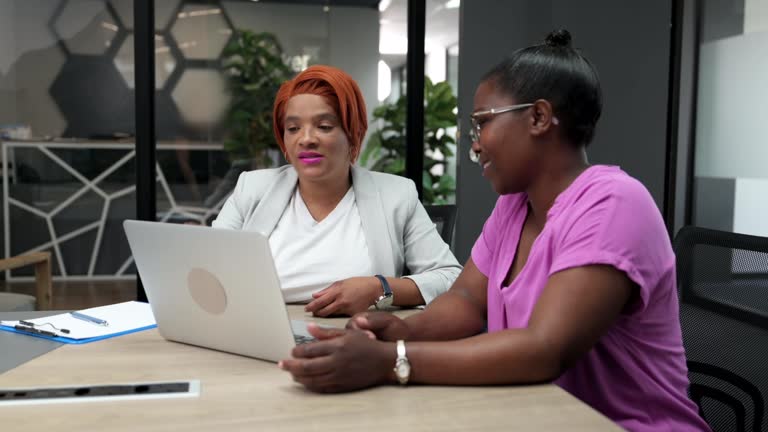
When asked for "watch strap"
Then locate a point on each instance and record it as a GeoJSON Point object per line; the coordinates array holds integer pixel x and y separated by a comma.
{"type": "Point", "coordinates": [384, 285]}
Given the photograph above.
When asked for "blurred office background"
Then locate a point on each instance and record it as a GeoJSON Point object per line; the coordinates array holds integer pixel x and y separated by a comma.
{"type": "Point", "coordinates": [67, 116]}
{"type": "Point", "coordinates": [683, 109]}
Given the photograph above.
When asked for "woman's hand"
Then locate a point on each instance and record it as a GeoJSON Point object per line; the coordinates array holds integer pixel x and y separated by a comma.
{"type": "Point", "coordinates": [345, 297]}
{"type": "Point", "coordinates": [381, 325]}
{"type": "Point", "coordinates": [342, 360]}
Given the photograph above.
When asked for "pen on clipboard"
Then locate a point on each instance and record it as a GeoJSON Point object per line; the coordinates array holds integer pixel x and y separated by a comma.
{"type": "Point", "coordinates": [34, 330]}
{"type": "Point", "coordinates": [90, 319]}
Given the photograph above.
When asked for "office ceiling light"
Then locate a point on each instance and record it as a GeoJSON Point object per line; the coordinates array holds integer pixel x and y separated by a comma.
{"type": "Point", "coordinates": [109, 26]}
{"type": "Point", "coordinates": [452, 4]}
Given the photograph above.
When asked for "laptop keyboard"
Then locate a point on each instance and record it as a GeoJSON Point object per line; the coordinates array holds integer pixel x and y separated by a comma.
{"type": "Point", "coordinates": [302, 339]}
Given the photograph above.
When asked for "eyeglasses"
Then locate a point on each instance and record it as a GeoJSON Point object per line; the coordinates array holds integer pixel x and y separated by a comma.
{"type": "Point", "coordinates": [474, 132]}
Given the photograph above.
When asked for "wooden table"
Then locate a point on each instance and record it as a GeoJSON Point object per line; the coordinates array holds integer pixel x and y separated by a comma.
{"type": "Point", "coordinates": [240, 393]}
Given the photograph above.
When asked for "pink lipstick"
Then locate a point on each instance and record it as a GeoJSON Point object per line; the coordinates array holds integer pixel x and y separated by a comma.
{"type": "Point", "coordinates": [310, 158]}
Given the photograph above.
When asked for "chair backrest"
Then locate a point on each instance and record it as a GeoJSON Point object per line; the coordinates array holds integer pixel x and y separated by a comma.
{"type": "Point", "coordinates": [444, 216]}
{"type": "Point", "coordinates": [723, 287]}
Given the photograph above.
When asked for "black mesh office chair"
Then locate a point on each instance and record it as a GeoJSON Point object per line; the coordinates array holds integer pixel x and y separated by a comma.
{"type": "Point", "coordinates": [723, 287]}
{"type": "Point", "coordinates": [444, 216]}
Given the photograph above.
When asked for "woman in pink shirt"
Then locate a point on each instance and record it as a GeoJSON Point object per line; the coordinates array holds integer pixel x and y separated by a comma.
{"type": "Point", "coordinates": [573, 275]}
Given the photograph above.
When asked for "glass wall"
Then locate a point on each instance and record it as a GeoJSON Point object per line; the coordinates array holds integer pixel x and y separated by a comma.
{"type": "Point", "coordinates": [440, 47]}
{"type": "Point", "coordinates": [66, 122]}
{"type": "Point", "coordinates": [731, 147]}
{"type": "Point", "coordinates": [67, 111]}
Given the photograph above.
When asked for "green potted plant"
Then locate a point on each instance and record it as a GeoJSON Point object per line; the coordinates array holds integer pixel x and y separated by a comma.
{"type": "Point", "coordinates": [255, 68]}
{"type": "Point", "coordinates": [386, 147]}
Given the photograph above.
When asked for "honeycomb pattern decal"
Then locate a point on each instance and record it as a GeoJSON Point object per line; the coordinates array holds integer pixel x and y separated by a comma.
{"type": "Point", "coordinates": [94, 87]}
{"type": "Point", "coordinates": [164, 9]}
{"type": "Point", "coordinates": [165, 62]}
{"type": "Point", "coordinates": [86, 27]}
{"type": "Point", "coordinates": [196, 85]}
{"type": "Point", "coordinates": [187, 31]}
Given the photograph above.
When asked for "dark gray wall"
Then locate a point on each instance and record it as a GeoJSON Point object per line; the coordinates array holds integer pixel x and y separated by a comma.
{"type": "Point", "coordinates": [721, 19]}
{"type": "Point", "coordinates": [629, 45]}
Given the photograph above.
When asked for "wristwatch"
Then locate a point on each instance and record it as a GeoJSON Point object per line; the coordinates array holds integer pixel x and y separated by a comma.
{"type": "Point", "coordinates": [402, 365]}
{"type": "Point", "coordinates": [385, 301]}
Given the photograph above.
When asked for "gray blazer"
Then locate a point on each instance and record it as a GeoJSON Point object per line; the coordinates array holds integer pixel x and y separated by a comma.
{"type": "Point", "coordinates": [395, 224]}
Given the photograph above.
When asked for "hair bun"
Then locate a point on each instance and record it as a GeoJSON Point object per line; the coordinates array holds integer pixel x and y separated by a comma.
{"type": "Point", "coordinates": [559, 39]}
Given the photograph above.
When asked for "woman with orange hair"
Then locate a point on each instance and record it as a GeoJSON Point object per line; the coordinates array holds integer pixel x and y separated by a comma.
{"type": "Point", "coordinates": [341, 235]}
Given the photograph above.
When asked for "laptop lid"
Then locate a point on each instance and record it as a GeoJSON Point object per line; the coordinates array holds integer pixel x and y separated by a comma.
{"type": "Point", "coordinates": [213, 288]}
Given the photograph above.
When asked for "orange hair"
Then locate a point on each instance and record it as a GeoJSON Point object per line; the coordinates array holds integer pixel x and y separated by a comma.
{"type": "Point", "coordinates": [339, 90]}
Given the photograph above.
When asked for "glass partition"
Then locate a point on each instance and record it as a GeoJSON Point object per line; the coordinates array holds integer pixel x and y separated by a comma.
{"type": "Point", "coordinates": [730, 179]}
{"type": "Point", "coordinates": [66, 127]}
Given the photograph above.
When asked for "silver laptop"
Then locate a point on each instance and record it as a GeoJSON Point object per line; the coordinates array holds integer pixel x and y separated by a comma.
{"type": "Point", "coordinates": [214, 288]}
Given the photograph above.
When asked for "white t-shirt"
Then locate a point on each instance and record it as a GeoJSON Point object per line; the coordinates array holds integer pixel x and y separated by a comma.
{"type": "Point", "coordinates": [310, 255]}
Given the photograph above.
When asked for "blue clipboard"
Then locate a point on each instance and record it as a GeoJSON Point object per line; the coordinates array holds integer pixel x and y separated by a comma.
{"type": "Point", "coordinates": [67, 340]}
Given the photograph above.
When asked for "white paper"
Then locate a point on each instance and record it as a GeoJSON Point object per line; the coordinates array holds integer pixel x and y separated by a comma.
{"type": "Point", "coordinates": [121, 317]}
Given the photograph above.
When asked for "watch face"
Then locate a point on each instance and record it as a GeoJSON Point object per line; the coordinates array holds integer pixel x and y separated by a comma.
{"type": "Point", "coordinates": [384, 302]}
{"type": "Point", "coordinates": [403, 370]}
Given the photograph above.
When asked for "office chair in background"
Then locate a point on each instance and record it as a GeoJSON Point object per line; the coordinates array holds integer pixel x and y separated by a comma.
{"type": "Point", "coordinates": [444, 216]}
{"type": "Point", "coordinates": [723, 286]}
